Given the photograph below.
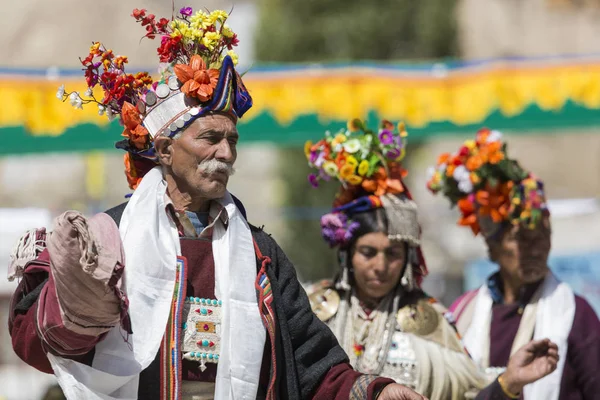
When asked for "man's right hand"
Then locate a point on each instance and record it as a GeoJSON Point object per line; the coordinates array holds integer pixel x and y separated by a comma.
{"type": "Point", "coordinates": [395, 391]}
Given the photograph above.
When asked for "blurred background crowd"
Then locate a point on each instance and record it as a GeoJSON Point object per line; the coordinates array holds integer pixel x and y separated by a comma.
{"type": "Point", "coordinates": [530, 68]}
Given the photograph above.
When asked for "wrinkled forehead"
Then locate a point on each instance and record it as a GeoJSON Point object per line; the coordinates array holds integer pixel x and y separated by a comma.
{"type": "Point", "coordinates": [217, 123]}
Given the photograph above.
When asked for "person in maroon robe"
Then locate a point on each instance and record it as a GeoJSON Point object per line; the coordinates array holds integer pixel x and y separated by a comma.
{"type": "Point", "coordinates": [523, 299]}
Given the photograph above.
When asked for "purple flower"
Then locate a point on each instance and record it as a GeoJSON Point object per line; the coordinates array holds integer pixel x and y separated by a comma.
{"type": "Point", "coordinates": [314, 181]}
{"type": "Point", "coordinates": [393, 154]}
{"type": "Point", "coordinates": [333, 220]}
{"type": "Point", "coordinates": [398, 142]}
{"type": "Point", "coordinates": [186, 11]}
{"type": "Point", "coordinates": [313, 157]}
{"type": "Point", "coordinates": [323, 175]}
{"type": "Point", "coordinates": [386, 137]}
{"type": "Point", "coordinates": [337, 229]}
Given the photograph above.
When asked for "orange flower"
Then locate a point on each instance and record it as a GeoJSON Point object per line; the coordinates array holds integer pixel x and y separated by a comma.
{"type": "Point", "coordinates": [369, 185]}
{"type": "Point", "coordinates": [130, 172]}
{"type": "Point", "coordinates": [465, 206]}
{"type": "Point", "coordinates": [482, 136]}
{"type": "Point", "coordinates": [443, 158]}
{"type": "Point", "coordinates": [197, 81]}
{"type": "Point", "coordinates": [496, 157]}
{"type": "Point", "coordinates": [474, 163]}
{"type": "Point", "coordinates": [134, 130]}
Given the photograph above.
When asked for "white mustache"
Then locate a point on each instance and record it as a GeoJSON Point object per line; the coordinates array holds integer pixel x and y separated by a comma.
{"type": "Point", "coordinates": [213, 165]}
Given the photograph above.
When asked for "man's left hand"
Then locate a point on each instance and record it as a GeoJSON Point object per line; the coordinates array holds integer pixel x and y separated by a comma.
{"type": "Point", "coordinates": [531, 362]}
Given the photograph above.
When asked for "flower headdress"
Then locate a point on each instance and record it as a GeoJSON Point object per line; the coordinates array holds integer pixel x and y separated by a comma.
{"type": "Point", "coordinates": [197, 76]}
{"type": "Point", "coordinates": [368, 165]}
{"type": "Point", "coordinates": [489, 188]}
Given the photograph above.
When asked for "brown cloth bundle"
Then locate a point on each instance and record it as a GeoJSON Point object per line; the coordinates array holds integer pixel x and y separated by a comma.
{"type": "Point", "coordinates": [87, 262]}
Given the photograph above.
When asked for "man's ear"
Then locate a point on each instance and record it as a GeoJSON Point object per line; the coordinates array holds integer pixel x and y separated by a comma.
{"type": "Point", "coordinates": [164, 150]}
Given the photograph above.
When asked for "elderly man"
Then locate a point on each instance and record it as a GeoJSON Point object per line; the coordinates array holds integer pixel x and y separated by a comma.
{"type": "Point", "coordinates": [507, 205]}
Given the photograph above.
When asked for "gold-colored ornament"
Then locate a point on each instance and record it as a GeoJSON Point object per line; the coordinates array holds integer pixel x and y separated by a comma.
{"type": "Point", "coordinates": [324, 302]}
{"type": "Point", "coordinates": [421, 318]}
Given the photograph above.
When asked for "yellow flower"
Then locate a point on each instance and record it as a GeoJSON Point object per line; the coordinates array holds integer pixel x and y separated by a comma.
{"type": "Point", "coordinates": [226, 31]}
{"type": "Point", "coordinates": [470, 144]}
{"type": "Point", "coordinates": [354, 180]}
{"type": "Point", "coordinates": [347, 170]}
{"type": "Point", "coordinates": [363, 168]}
{"type": "Point", "coordinates": [516, 201]}
{"type": "Point", "coordinates": [402, 129]}
{"type": "Point", "coordinates": [474, 178]}
{"type": "Point", "coordinates": [211, 39]}
{"type": "Point", "coordinates": [307, 147]}
{"type": "Point", "coordinates": [218, 15]}
{"type": "Point", "coordinates": [199, 19]}
{"type": "Point", "coordinates": [330, 168]}
{"type": "Point", "coordinates": [352, 161]}
{"type": "Point", "coordinates": [234, 57]}
{"type": "Point", "coordinates": [95, 47]}
{"type": "Point", "coordinates": [338, 139]}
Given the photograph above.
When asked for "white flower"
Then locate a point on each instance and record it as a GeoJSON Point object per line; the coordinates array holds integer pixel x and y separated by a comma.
{"type": "Point", "coordinates": [110, 114]}
{"type": "Point", "coordinates": [430, 172]}
{"type": "Point", "coordinates": [79, 103]}
{"type": "Point", "coordinates": [61, 92]}
{"type": "Point", "coordinates": [352, 146]}
{"type": "Point", "coordinates": [88, 92]}
{"type": "Point", "coordinates": [465, 186]}
{"type": "Point", "coordinates": [337, 148]}
{"type": "Point", "coordinates": [101, 109]}
{"type": "Point", "coordinates": [73, 98]}
{"type": "Point", "coordinates": [495, 136]}
{"type": "Point", "coordinates": [461, 173]}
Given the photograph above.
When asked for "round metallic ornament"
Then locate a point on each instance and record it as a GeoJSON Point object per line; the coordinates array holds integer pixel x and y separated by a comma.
{"type": "Point", "coordinates": [421, 318]}
{"type": "Point", "coordinates": [324, 303]}
{"type": "Point", "coordinates": [173, 83]}
{"type": "Point", "coordinates": [151, 98]}
{"type": "Point", "coordinates": [163, 91]}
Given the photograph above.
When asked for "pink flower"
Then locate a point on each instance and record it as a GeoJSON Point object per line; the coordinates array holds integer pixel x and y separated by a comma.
{"type": "Point", "coordinates": [186, 11]}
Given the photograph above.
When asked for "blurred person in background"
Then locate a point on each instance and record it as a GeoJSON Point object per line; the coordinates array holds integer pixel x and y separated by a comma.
{"type": "Point", "coordinates": [375, 306]}
{"type": "Point", "coordinates": [173, 295]}
{"type": "Point", "coordinates": [523, 300]}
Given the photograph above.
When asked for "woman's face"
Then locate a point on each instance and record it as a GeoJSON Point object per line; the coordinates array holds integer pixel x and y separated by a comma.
{"type": "Point", "coordinates": [378, 264]}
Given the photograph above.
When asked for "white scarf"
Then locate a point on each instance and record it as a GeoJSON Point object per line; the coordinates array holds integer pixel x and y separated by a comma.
{"type": "Point", "coordinates": [151, 243]}
{"type": "Point", "coordinates": [553, 316]}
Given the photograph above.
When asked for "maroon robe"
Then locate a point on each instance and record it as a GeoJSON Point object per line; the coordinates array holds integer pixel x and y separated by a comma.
{"type": "Point", "coordinates": [580, 379]}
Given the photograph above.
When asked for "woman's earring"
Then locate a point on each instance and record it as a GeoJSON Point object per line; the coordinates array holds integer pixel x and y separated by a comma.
{"type": "Point", "coordinates": [344, 282]}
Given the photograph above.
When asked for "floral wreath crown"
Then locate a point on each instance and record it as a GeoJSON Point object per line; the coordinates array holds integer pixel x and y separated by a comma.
{"type": "Point", "coordinates": [197, 76]}
{"type": "Point", "coordinates": [368, 166]}
{"type": "Point", "coordinates": [489, 188]}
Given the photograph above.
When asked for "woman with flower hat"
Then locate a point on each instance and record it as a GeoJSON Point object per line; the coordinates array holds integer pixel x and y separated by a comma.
{"type": "Point", "coordinates": [506, 204]}
{"type": "Point", "coordinates": [375, 307]}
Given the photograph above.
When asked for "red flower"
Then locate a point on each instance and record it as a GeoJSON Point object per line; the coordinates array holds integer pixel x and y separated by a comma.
{"type": "Point", "coordinates": [232, 42]}
{"type": "Point", "coordinates": [137, 14]}
{"type": "Point", "coordinates": [169, 48]}
{"type": "Point", "coordinates": [197, 81]}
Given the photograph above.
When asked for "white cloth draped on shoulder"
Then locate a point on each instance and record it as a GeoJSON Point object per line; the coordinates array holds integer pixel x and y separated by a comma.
{"type": "Point", "coordinates": [151, 244]}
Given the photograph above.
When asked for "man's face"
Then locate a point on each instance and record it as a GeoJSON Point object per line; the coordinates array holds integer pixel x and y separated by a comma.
{"type": "Point", "coordinates": [202, 156]}
{"type": "Point", "coordinates": [523, 253]}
